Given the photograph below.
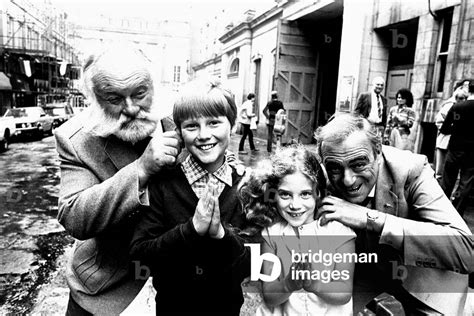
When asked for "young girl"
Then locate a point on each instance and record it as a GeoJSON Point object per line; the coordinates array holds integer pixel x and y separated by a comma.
{"type": "Point", "coordinates": [186, 239]}
{"type": "Point", "coordinates": [280, 196]}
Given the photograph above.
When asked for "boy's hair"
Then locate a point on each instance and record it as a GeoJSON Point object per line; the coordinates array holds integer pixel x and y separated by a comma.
{"type": "Point", "coordinates": [258, 189]}
{"type": "Point", "coordinates": [250, 96]}
{"type": "Point", "coordinates": [204, 99]}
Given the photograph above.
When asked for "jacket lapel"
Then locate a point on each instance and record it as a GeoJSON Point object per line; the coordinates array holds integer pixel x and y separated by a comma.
{"type": "Point", "coordinates": [119, 152]}
{"type": "Point", "coordinates": [385, 199]}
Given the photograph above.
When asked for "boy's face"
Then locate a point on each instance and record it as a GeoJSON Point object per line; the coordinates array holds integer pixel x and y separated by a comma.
{"type": "Point", "coordinates": [207, 139]}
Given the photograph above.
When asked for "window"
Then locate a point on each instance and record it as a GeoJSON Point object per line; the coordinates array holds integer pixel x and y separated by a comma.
{"type": "Point", "coordinates": [177, 74]}
{"type": "Point", "coordinates": [443, 49]}
{"type": "Point", "coordinates": [234, 68]}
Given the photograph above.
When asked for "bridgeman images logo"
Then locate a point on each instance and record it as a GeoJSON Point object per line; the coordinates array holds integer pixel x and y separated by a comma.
{"type": "Point", "coordinates": [321, 261]}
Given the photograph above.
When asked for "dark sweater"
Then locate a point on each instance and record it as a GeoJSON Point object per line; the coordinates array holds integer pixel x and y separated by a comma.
{"type": "Point", "coordinates": [459, 123]}
{"type": "Point", "coordinates": [192, 274]}
{"type": "Point", "coordinates": [271, 109]}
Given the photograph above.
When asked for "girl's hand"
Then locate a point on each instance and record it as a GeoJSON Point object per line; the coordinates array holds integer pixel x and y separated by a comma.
{"type": "Point", "coordinates": [307, 284]}
{"type": "Point", "coordinates": [291, 283]}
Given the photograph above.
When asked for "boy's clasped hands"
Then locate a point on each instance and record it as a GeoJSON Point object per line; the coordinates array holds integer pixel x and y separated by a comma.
{"type": "Point", "coordinates": [207, 217]}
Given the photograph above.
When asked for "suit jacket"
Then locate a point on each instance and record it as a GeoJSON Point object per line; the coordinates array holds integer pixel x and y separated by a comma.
{"type": "Point", "coordinates": [436, 243]}
{"type": "Point", "coordinates": [99, 199]}
{"type": "Point", "coordinates": [364, 105]}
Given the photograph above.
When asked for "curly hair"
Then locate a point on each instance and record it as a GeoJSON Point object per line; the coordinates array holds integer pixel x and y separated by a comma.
{"type": "Point", "coordinates": [407, 95]}
{"type": "Point", "coordinates": [258, 189]}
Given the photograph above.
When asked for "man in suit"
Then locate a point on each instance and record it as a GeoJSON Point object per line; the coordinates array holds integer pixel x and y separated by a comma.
{"type": "Point", "coordinates": [107, 157]}
{"type": "Point", "coordinates": [373, 105]}
{"type": "Point", "coordinates": [398, 210]}
{"type": "Point", "coordinates": [460, 157]}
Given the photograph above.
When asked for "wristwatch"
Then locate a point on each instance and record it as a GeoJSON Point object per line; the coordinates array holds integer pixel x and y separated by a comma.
{"type": "Point", "coordinates": [372, 216]}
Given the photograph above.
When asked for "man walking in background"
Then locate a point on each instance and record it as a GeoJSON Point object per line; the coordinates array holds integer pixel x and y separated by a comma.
{"type": "Point", "coordinates": [459, 123]}
{"type": "Point", "coordinates": [270, 111]}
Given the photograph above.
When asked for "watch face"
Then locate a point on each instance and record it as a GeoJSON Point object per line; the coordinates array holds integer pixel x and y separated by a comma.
{"type": "Point", "coordinates": [372, 214]}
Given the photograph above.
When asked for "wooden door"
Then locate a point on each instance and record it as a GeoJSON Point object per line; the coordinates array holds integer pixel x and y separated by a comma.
{"type": "Point", "coordinates": [295, 81]}
{"type": "Point", "coordinates": [397, 79]}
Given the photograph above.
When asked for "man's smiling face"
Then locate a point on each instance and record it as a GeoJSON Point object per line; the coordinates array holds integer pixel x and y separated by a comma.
{"type": "Point", "coordinates": [352, 166]}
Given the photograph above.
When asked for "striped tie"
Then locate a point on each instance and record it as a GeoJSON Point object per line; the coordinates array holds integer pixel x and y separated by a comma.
{"type": "Point", "coordinates": [379, 106]}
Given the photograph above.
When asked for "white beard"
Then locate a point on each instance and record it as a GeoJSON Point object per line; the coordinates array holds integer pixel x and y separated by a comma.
{"type": "Point", "coordinates": [102, 124]}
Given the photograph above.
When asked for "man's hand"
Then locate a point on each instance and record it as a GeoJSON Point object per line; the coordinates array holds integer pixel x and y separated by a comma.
{"type": "Point", "coordinates": [160, 152]}
{"type": "Point", "coordinates": [336, 209]}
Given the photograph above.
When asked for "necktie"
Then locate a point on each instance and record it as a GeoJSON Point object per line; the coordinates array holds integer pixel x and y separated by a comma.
{"type": "Point", "coordinates": [379, 106]}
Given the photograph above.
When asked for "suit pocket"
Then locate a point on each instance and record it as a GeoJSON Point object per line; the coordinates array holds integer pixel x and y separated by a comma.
{"type": "Point", "coordinates": [98, 268]}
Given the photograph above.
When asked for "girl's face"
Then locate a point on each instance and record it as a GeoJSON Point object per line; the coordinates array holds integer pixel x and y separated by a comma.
{"type": "Point", "coordinates": [296, 199]}
{"type": "Point", "coordinates": [400, 100]}
{"type": "Point", "coordinates": [207, 139]}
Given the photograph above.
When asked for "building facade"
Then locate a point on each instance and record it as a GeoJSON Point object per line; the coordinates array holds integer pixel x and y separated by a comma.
{"type": "Point", "coordinates": [320, 55]}
{"type": "Point", "coordinates": [38, 64]}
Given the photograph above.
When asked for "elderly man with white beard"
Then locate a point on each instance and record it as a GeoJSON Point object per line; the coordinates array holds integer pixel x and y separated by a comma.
{"type": "Point", "coordinates": [107, 156]}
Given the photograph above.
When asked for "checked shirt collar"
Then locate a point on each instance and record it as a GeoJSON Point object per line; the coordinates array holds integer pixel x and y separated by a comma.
{"type": "Point", "coordinates": [198, 177]}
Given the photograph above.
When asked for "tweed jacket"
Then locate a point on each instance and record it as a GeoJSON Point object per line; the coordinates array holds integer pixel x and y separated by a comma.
{"type": "Point", "coordinates": [99, 198]}
{"type": "Point", "coordinates": [364, 105]}
{"type": "Point", "coordinates": [436, 245]}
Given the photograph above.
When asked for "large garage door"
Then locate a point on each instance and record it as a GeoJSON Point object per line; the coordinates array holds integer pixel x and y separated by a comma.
{"type": "Point", "coordinates": [295, 81]}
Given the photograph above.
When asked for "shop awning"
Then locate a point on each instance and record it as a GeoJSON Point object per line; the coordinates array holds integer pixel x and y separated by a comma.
{"type": "Point", "coordinates": [4, 82]}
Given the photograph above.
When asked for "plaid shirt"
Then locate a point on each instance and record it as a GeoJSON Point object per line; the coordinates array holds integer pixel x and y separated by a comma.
{"type": "Point", "coordinates": [198, 177]}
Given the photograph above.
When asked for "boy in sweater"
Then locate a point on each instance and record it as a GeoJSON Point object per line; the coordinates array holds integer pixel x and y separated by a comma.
{"type": "Point", "coordinates": [188, 237]}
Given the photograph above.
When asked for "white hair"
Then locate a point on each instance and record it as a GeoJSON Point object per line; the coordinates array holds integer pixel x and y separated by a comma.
{"type": "Point", "coordinates": [98, 121]}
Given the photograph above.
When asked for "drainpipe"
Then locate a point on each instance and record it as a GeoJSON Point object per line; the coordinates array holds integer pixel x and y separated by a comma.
{"type": "Point", "coordinates": [431, 11]}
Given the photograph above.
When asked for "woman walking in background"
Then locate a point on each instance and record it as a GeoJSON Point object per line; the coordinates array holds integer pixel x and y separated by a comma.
{"type": "Point", "coordinates": [400, 119]}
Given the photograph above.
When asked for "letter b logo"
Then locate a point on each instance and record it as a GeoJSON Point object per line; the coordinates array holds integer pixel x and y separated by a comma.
{"type": "Point", "coordinates": [256, 261]}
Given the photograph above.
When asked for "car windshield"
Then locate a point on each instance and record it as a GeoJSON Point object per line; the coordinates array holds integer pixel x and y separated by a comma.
{"type": "Point", "coordinates": [24, 112]}
{"type": "Point", "coordinates": [55, 111]}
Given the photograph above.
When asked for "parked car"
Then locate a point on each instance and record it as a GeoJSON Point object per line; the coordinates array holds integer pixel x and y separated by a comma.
{"type": "Point", "coordinates": [31, 121]}
{"type": "Point", "coordinates": [7, 129]}
{"type": "Point", "coordinates": [61, 112]}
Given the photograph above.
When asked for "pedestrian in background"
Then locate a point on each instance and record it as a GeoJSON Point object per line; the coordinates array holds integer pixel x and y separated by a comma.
{"type": "Point", "coordinates": [270, 111]}
{"type": "Point", "coordinates": [400, 119]}
{"type": "Point", "coordinates": [442, 140]}
{"type": "Point", "coordinates": [372, 105]}
{"type": "Point", "coordinates": [246, 114]}
{"type": "Point", "coordinates": [459, 123]}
